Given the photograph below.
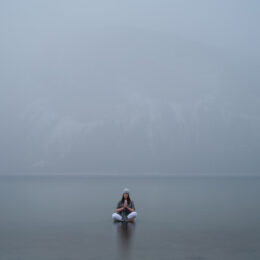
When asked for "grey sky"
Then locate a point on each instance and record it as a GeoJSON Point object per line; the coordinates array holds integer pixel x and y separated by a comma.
{"type": "Point", "coordinates": [138, 87]}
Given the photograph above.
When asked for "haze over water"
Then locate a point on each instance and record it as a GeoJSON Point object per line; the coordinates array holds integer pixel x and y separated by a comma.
{"type": "Point", "coordinates": [169, 87]}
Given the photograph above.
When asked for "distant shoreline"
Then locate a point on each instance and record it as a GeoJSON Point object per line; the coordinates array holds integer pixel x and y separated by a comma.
{"type": "Point", "coordinates": [124, 176]}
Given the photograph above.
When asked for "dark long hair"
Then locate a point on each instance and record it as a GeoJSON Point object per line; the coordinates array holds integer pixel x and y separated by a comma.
{"type": "Point", "coordinates": [128, 198]}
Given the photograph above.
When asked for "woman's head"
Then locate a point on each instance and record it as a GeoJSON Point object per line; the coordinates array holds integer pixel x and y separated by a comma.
{"type": "Point", "coordinates": [126, 195]}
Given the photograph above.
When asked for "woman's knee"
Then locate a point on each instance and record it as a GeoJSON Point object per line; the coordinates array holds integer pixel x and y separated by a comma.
{"type": "Point", "coordinates": [116, 216]}
{"type": "Point", "coordinates": [132, 214]}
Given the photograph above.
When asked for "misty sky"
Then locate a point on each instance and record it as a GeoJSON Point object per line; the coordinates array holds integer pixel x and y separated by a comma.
{"type": "Point", "coordinates": [130, 87]}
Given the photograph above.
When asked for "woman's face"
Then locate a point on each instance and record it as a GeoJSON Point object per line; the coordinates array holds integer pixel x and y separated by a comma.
{"type": "Point", "coordinates": [125, 196]}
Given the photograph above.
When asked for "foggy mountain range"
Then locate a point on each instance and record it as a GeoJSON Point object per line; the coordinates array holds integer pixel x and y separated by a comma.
{"type": "Point", "coordinates": [112, 101]}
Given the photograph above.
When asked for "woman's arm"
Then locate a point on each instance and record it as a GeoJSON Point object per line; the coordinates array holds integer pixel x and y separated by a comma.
{"type": "Point", "coordinates": [133, 207]}
{"type": "Point", "coordinates": [130, 209]}
{"type": "Point", "coordinates": [119, 209]}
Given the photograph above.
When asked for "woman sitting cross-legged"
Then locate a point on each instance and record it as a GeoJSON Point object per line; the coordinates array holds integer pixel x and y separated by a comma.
{"type": "Point", "coordinates": [125, 210]}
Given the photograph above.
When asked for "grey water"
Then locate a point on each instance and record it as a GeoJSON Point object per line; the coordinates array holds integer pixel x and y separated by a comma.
{"type": "Point", "coordinates": [63, 218]}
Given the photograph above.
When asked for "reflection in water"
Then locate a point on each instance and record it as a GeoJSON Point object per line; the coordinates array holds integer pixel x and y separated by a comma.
{"type": "Point", "coordinates": [125, 232]}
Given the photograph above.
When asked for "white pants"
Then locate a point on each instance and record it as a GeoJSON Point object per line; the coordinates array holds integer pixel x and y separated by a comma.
{"type": "Point", "coordinates": [117, 216]}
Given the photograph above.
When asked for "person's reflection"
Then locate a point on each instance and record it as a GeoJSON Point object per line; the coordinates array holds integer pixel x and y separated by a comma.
{"type": "Point", "coordinates": [125, 232]}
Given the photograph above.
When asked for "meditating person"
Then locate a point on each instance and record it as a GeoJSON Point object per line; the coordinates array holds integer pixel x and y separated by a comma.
{"type": "Point", "coordinates": [125, 210]}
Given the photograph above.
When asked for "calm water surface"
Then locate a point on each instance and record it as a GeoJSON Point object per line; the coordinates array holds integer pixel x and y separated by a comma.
{"type": "Point", "coordinates": [63, 218]}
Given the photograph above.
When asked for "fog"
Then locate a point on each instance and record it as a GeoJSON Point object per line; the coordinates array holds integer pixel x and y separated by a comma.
{"type": "Point", "coordinates": [129, 87]}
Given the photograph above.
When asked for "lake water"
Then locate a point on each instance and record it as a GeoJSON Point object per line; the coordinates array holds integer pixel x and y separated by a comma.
{"type": "Point", "coordinates": [63, 218]}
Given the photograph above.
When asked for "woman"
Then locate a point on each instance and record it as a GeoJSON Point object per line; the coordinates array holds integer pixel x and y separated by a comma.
{"type": "Point", "coordinates": [125, 210]}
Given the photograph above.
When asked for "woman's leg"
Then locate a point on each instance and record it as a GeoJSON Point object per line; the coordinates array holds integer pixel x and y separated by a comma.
{"type": "Point", "coordinates": [132, 216]}
{"type": "Point", "coordinates": [116, 216]}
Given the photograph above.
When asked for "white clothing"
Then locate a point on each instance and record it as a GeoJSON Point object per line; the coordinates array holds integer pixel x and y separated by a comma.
{"type": "Point", "coordinates": [117, 216]}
